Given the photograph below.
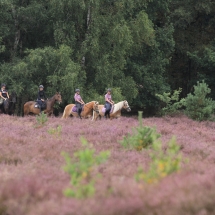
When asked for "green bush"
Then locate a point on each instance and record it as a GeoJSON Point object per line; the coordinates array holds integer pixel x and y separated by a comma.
{"type": "Point", "coordinates": [198, 106]}
{"type": "Point", "coordinates": [80, 169]}
{"type": "Point", "coordinates": [172, 101]}
{"type": "Point", "coordinates": [41, 119]}
{"type": "Point", "coordinates": [162, 163]}
{"type": "Point", "coordinates": [141, 137]}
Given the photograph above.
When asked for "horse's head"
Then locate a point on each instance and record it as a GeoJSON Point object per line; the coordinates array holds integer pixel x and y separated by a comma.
{"type": "Point", "coordinates": [96, 107]}
{"type": "Point", "coordinates": [126, 106]}
{"type": "Point", "coordinates": [58, 98]}
{"type": "Point", "coordinates": [13, 97]}
{"type": "Point", "coordinates": [6, 105]}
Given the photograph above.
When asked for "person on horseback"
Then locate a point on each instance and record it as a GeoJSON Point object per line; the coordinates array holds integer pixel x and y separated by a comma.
{"type": "Point", "coordinates": [3, 93]}
{"type": "Point", "coordinates": [108, 103]}
{"type": "Point", "coordinates": [41, 97]}
{"type": "Point", "coordinates": [78, 102]}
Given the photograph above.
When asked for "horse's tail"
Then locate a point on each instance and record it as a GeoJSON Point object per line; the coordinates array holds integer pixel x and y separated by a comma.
{"type": "Point", "coordinates": [26, 109]}
{"type": "Point", "coordinates": [64, 114]}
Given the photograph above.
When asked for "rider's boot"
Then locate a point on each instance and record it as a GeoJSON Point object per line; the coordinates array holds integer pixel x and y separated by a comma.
{"type": "Point", "coordinates": [79, 114]}
{"type": "Point", "coordinates": [106, 112]}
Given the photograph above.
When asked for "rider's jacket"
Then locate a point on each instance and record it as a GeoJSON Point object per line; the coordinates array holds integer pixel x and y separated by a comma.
{"type": "Point", "coordinates": [41, 95]}
{"type": "Point", "coordinates": [77, 98]}
{"type": "Point", "coordinates": [4, 93]}
{"type": "Point", "coordinates": [108, 96]}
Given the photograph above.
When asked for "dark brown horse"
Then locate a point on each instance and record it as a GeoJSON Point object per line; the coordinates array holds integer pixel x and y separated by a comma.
{"type": "Point", "coordinates": [29, 107]}
{"type": "Point", "coordinates": [9, 105]}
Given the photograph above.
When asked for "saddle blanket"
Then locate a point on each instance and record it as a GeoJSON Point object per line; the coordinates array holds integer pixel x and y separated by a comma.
{"type": "Point", "coordinates": [38, 106]}
{"type": "Point", "coordinates": [104, 109]}
{"type": "Point", "coordinates": [74, 109]}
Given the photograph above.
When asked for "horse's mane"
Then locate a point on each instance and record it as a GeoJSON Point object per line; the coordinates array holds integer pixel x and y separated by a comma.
{"type": "Point", "coordinates": [90, 102]}
{"type": "Point", "coordinates": [118, 106]}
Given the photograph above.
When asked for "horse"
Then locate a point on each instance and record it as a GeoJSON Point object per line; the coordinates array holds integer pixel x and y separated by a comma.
{"type": "Point", "coordinates": [115, 112]}
{"type": "Point", "coordinates": [29, 107]}
{"type": "Point", "coordinates": [12, 103]}
{"type": "Point", "coordinates": [8, 106]}
{"type": "Point", "coordinates": [87, 110]}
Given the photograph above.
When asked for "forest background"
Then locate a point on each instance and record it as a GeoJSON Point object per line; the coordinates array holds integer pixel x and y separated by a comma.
{"type": "Point", "coordinates": [138, 48]}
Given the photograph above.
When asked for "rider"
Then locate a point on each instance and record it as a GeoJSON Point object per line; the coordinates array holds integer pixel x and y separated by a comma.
{"type": "Point", "coordinates": [78, 101]}
{"type": "Point", "coordinates": [108, 103]}
{"type": "Point", "coordinates": [41, 97]}
{"type": "Point", "coordinates": [3, 92]}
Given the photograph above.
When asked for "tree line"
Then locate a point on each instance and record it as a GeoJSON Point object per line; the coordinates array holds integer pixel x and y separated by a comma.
{"type": "Point", "coordinates": [138, 48]}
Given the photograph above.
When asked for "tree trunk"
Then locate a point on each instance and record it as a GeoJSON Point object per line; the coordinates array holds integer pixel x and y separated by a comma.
{"type": "Point", "coordinates": [87, 32]}
{"type": "Point", "coordinates": [17, 32]}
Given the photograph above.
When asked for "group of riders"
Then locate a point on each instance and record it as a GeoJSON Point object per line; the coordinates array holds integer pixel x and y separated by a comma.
{"type": "Point", "coordinates": [77, 97]}
{"type": "Point", "coordinates": [80, 103]}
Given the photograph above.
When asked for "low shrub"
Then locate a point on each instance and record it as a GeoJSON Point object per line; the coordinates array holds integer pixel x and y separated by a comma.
{"type": "Point", "coordinates": [41, 119]}
{"type": "Point", "coordinates": [162, 163]}
{"type": "Point", "coordinates": [141, 137]}
{"type": "Point", "coordinates": [80, 169]}
{"type": "Point", "coordinates": [55, 131]}
{"type": "Point", "coordinates": [172, 101]}
{"type": "Point", "coordinates": [198, 106]}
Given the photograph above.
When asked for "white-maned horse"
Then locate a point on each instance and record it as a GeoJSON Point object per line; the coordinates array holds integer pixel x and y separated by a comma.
{"type": "Point", "coordinates": [116, 112]}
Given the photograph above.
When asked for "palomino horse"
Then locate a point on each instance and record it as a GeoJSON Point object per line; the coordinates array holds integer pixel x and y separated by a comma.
{"type": "Point", "coordinates": [29, 107]}
{"type": "Point", "coordinates": [8, 106]}
{"type": "Point", "coordinates": [116, 110]}
{"type": "Point", "coordinates": [87, 110]}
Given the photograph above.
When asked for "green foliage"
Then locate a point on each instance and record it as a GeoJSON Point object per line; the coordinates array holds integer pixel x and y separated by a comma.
{"type": "Point", "coordinates": [163, 163]}
{"type": "Point", "coordinates": [140, 47]}
{"type": "Point", "coordinates": [173, 102]}
{"type": "Point", "coordinates": [55, 131]}
{"type": "Point", "coordinates": [141, 137]}
{"type": "Point", "coordinates": [198, 106]}
{"type": "Point", "coordinates": [41, 119]}
{"type": "Point", "coordinates": [81, 168]}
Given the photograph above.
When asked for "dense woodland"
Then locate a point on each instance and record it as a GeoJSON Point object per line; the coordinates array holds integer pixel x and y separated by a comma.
{"type": "Point", "coordinates": [138, 48]}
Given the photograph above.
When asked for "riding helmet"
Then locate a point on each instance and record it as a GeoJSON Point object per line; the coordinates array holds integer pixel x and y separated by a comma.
{"type": "Point", "coordinates": [41, 86]}
{"type": "Point", "coordinates": [108, 90]}
{"type": "Point", "coordinates": [77, 90]}
{"type": "Point", "coordinates": [3, 85]}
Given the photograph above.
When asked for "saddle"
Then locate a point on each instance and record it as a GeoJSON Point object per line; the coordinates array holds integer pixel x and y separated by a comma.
{"type": "Point", "coordinates": [43, 106]}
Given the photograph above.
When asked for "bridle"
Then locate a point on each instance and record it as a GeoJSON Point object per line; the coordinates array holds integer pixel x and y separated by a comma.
{"type": "Point", "coordinates": [128, 107]}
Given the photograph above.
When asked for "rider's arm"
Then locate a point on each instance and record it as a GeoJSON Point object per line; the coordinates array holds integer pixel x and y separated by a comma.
{"type": "Point", "coordinates": [38, 97]}
{"type": "Point", "coordinates": [1, 96]}
{"type": "Point", "coordinates": [109, 101]}
{"type": "Point", "coordinates": [82, 102]}
{"type": "Point", "coordinates": [7, 95]}
{"type": "Point", "coordinates": [44, 95]}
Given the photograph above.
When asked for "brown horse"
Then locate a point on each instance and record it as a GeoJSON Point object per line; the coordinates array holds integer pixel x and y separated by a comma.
{"type": "Point", "coordinates": [29, 107]}
{"type": "Point", "coordinates": [116, 110]}
{"type": "Point", "coordinates": [87, 110]}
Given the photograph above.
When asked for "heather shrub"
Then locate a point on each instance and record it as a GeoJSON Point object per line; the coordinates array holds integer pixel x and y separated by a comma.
{"type": "Point", "coordinates": [41, 119]}
{"type": "Point", "coordinates": [162, 163]}
{"type": "Point", "coordinates": [198, 106]}
{"type": "Point", "coordinates": [81, 168]}
{"type": "Point", "coordinates": [55, 131]}
{"type": "Point", "coordinates": [172, 101]}
{"type": "Point", "coordinates": [141, 137]}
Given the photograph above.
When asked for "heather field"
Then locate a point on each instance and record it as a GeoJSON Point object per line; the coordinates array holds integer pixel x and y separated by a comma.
{"type": "Point", "coordinates": [32, 178]}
